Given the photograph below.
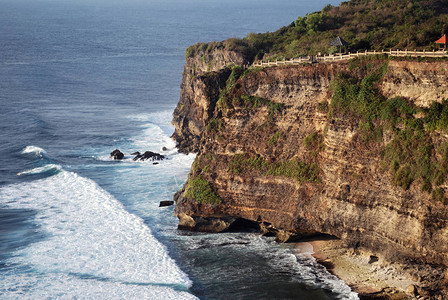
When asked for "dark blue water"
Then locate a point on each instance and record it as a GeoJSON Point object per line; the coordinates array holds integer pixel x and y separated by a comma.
{"type": "Point", "coordinates": [81, 78]}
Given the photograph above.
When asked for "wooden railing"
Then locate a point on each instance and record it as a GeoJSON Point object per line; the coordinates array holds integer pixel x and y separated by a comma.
{"type": "Point", "coordinates": [338, 57]}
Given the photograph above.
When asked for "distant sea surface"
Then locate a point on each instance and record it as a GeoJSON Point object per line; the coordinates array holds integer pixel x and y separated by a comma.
{"type": "Point", "coordinates": [79, 79]}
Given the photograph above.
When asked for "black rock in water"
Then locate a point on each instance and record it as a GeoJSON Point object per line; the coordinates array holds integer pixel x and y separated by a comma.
{"type": "Point", "coordinates": [148, 155]}
{"type": "Point", "coordinates": [116, 154]}
{"type": "Point", "coordinates": [166, 203]}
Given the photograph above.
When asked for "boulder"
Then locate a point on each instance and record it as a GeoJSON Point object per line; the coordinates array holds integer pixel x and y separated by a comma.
{"type": "Point", "coordinates": [117, 154]}
{"type": "Point", "coordinates": [166, 203]}
{"type": "Point", "coordinates": [148, 155]}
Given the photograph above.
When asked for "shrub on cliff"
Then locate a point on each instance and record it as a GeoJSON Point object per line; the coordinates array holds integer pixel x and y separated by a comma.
{"type": "Point", "coordinates": [365, 24]}
{"type": "Point", "coordinates": [412, 151]}
{"type": "Point", "coordinates": [200, 190]}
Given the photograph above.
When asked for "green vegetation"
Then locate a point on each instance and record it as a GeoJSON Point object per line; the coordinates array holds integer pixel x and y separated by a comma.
{"type": "Point", "coordinates": [293, 168]}
{"type": "Point", "coordinates": [201, 191]}
{"type": "Point", "coordinates": [439, 195]}
{"type": "Point", "coordinates": [437, 116]}
{"type": "Point", "coordinates": [364, 24]}
{"type": "Point", "coordinates": [252, 102]}
{"type": "Point", "coordinates": [411, 153]}
{"type": "Point", "coordinates": [358, 98]}
{"type": "Point", "coordinates": [223, 101]}
{"type": "Point", "coordinates": [275, 138]}
{"type": "Point", "coordinates": [210, 65]}
{"type": "Point", "coordinates": [195, 165]}
{"type": "Point", "coordinates": [323, 107]}
{"type": "Point", "coordinates": [245, 101]}
{"type": "Point", "coordinates": [214, 125]}
{"type": "Point", "coordinates": [314, 141]}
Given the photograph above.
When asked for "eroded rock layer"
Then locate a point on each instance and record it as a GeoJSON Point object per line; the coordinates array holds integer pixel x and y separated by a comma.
{"type": "Point", "coordinates": [271, 151]}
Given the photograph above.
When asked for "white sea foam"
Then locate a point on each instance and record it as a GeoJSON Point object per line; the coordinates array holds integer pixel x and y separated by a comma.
{"type": "Point", "coordinates": [153, 136]}
{"type": "Point", "coordinates": [43, 169]}
{"type": "Point", "coordinates": [33, 150]}
{"type": "Point", "coordinates": [93, 246]}
{"type": "Point", "coordinates": [281, 260]}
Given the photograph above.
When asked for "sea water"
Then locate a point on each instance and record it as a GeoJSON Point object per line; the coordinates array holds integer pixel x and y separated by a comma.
{"type": "Point", "coordinates": [79, 79]}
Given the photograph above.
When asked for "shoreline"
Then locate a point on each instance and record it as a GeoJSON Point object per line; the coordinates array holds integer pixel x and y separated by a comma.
{"type": "Point", "coordinates": [366, 274]}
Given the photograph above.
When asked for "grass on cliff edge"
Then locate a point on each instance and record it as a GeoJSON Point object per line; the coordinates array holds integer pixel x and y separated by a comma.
{"type": "Point", "coordinates": [411, 152]}
{"type": "Point", "coordinates": [200, 190]}
{"type": "Point", "coordinates": [364, 24]}
{"type": "Point", "coordinates": [293, 168]}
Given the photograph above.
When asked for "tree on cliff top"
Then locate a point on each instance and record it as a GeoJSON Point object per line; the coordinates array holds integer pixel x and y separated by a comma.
{"type": "Point", "coordinates": [365, 24]}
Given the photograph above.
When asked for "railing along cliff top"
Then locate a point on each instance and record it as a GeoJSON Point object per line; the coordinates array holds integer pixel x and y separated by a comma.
{"type": "Point", "coordinates": [348, 56]}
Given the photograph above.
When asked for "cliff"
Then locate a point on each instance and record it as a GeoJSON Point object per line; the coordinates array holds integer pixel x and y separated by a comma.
{"type": "Point", "coordinates": [356, 150]}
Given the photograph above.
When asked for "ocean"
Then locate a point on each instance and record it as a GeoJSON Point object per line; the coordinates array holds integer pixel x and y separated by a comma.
{"type": "Point", "coordinates": [79, 79]}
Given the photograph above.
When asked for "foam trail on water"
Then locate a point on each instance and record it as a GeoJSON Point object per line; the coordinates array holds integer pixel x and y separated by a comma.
{"type": "Point", "coordinates": [44, 169]}
{"type": "Point", "coordinates": [37, 151]}
{"type": "Point", "coordinates": [92, 245]}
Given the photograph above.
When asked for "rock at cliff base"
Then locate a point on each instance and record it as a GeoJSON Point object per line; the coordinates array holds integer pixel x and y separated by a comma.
{"type": "Point", "coordinates": [164, 203]}
{"type": "Point", "coordinates": [148, 155]}
{"type": "Point", "coordinates": [117, 154]}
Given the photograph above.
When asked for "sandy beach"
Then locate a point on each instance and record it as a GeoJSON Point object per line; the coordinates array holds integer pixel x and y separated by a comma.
{"type": "Point", "coordinates": [365, 273]}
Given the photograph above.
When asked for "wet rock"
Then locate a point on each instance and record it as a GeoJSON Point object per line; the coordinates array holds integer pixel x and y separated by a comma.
{"type": "Point", "coordinates": [117, 154]}
{"type": "Point", "coordinates": [166, 203]}
{"type": "Point", "coordinates": [148, 155]}
{"type": "Point", "coordinates": [283, 236]}
{"type": "Point", "coordinates": [204, 224]}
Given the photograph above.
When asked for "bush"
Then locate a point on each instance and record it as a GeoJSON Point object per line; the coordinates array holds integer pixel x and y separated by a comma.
{"type": "Point", "coordinates": [201, 191]}
{"type": "Point", "coordinates": [314, 141]}
{"type": "Point", "coordinates": [438, 195]}
{"type": "Point", "coordinates": [275, 138]}
{"type": "Point", "coordinates": [214, 125]}
{"type": "Point", "coordinates": [323, 107]}
{"type": "Point", "coordinates": [404, 177]}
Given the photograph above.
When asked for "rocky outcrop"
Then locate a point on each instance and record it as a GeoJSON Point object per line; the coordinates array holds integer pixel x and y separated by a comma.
{"type": "Point", "coordinates": [148, 155]}
{"type": "Point", "coordinates": [117, 154]}
{"type": "Point", "coordinates": [205, 73]}
{"type": "Point", "coordinates": [271, 153]}
{"type": "Point", "coordinates": [422, 83]}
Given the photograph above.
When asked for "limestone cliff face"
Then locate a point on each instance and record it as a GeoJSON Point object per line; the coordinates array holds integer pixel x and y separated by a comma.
{"type": "Point", "coordinates": [200, 93]}
{"type": "Point", "coordinates": [422, 83]}
{"type": "Point", "coordinates": [342, 188]}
